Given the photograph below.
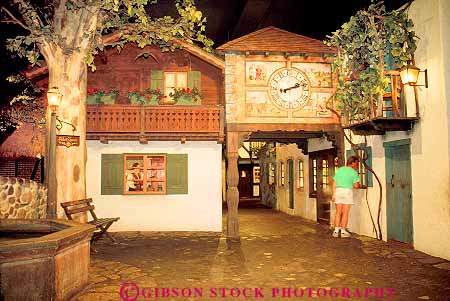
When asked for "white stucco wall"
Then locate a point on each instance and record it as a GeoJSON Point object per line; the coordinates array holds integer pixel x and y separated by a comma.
{"type": "Point", "coordinates": [303, 206]}
{"type": "Point", "coordinates": [199, 210]}
{"type": "Point", "coordinates": [430, 140]}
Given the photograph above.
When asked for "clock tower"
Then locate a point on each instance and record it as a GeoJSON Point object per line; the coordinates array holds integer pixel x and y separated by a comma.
{"type": "Point", "coordinates": [279, 87]}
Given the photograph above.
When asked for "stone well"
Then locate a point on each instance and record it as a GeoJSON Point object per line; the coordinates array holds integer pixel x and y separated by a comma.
{"type": "Point", "coordinates": [43, 259]}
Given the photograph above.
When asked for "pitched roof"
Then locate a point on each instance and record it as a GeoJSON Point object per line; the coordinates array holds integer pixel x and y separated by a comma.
{"type": "Point", "coordinates": [274, 39]}
{"type": "Point", "coordinates": [189, 47]}
{"type": "Point", "coordinates": [26, 141]}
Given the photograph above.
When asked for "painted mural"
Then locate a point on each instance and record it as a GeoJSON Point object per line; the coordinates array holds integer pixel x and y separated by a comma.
{"type": "Point", "coordinates": [319, 74]}
{"type": "Point", "coordinates": [258, 104]}
{"type": "Point", "coordinates": [258, 72]}
{"type": "Point", "coordinates": [317, 106]}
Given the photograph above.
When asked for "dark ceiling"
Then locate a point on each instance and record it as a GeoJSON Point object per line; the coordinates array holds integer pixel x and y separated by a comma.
{"type": "Point", "coordinates": [230, 19]}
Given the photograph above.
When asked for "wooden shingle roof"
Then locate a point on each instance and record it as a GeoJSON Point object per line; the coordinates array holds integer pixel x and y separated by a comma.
{"type": "Point", "coordinates": [272, 39]}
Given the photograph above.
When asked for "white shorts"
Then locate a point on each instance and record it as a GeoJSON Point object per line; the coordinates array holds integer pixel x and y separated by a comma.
{"type": "Point", "coordinates": [344, 196]}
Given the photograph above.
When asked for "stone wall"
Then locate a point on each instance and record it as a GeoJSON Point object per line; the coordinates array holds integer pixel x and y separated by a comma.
{"type": "Point", "coordinates": [21, 198]}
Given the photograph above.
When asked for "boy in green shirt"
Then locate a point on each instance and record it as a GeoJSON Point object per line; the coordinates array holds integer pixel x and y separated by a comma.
{"type": "Point", "coordinates": [345, 179]}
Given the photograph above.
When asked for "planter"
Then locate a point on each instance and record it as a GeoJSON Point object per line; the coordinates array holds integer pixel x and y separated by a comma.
{"type": "Point", "coordinates": [141, 100]}
{"type": "Point", "coordinates": [167, 101]}
{"type": "Point", "coordinates": [92, 99]}
{"type": "Point", "coordinates": [135, 99]}
{"type": "Point", "coordinates": [188, 101]}
{"type": "Point", "coordinates": [153, 101]}
{"type": "Point", "coordinates": [108, 99]}
{"type": "Point", "coordinates": [103, 99]}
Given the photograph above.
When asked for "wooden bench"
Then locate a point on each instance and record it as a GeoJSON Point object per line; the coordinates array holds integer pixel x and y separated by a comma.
{"type": "Point", "coordinates": [80, 206]}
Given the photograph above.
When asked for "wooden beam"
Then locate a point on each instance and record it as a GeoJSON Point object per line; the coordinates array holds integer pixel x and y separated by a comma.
{"type": "Point", "coordinates": [232, 185]}
{"type": "Point", "coordinates": [254, 127]}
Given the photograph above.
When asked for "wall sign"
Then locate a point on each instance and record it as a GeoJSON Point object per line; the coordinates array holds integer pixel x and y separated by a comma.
{"type": "Point", "coordinates": [67, 140]}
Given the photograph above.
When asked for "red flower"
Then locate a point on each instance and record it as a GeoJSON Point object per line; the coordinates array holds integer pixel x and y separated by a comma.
{"type": "Point", "coordinates": [158, 90]}
{"type": "Point", "coordinates": [183, 90]}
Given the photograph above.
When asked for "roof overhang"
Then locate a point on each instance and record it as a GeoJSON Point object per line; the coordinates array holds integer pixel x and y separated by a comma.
{"type": "Point", "coordinates": [189, 47]}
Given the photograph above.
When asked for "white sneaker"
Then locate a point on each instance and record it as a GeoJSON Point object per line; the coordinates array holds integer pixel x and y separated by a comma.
{"type": "Point", "coordinates": [345, 233]}
{"type": "Point", "coordinates": [335, 233]}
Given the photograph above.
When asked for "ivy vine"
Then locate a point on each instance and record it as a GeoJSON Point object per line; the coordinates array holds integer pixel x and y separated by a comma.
{"type": "Point", "coordinates": [370, 42]}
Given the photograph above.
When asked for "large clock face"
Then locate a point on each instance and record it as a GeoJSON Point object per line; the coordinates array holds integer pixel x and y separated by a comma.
{"type": "Point", "coordinates": [289, 88]}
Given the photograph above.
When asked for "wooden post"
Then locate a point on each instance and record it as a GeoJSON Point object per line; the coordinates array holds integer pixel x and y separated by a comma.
{"type": "Point", "coordinates": [232, 185]}
{"type": "Point", "coordinates": [51, 166]}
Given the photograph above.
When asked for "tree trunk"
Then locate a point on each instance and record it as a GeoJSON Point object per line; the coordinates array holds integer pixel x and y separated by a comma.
{"type": "Point", "coordinates": [69, 74]}
{"type": "Point", "coordinates": [67, 70]}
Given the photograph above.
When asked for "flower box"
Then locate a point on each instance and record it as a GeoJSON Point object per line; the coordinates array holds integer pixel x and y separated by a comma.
{"type": "Point", "coordinates": [187, 96]}
{"type": "Point", "coordinates": [148, 97]}
{"type": "Point", "coordinates": [101, 96]}
{"type": "Point", "coordinates": [186, 100]}
{"type": "Point", "coordinates": [108, 99]}
{"type": "Point", "coordinates": [93, 99]}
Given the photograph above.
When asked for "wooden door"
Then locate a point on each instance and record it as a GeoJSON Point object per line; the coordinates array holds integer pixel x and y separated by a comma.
{"type": "Point", "coordinates": [321, 170]}
{"type": "Point", "coordinates": [245, 181]}
{"type": "Point", "coordinates": [290, 166]}
{"type": "Point", "coordinates": [399, 191]}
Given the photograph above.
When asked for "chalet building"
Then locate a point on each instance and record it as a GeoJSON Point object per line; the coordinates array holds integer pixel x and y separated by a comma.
{"type": "Point", "coordinates": [155, 127]}
{"type": "Point", "coordinates": [155, 130]}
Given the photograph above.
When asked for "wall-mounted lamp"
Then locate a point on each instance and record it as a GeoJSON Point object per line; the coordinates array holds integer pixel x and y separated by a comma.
{"type": "Point", "coordinates": [410, 74]}
{"type": "Point", "coordinates": [54, 98]}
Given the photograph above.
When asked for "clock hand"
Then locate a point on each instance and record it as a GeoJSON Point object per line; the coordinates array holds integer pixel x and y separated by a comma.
{"type": "Point", "coordinates": [297, 85]}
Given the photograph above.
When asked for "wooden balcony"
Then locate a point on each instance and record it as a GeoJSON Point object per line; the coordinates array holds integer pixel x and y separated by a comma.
{"type": "Point", "coordinates": [145, 123]}
{"type": "Point", "coordinates": [389, 113]}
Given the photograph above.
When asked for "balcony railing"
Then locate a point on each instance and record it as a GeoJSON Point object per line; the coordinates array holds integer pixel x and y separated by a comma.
{"type": "Point", "coordinates": [389, 113]}
{"type": "Point", "coordinates": [140, 122]}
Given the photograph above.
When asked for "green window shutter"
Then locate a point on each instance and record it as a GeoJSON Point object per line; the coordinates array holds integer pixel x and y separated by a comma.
{"type": "Point", "coordinates": [157, 80]}
{"type": "Point", "coordinates": [368, 150]}
{"type": "Point", "coordinates": [177, 173]}
{"type": "Point", "coordinates": [195, 80]}
{"type": "Point", "coordinates": [112, 174]}
{"type": "Point", "coordinates": [388, 59]}
{"type": "Point", "coordinates": [369, 163]}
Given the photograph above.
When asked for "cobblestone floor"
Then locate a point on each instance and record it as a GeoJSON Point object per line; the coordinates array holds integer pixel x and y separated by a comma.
{"type": "Point", "coordinates": [276, 252]}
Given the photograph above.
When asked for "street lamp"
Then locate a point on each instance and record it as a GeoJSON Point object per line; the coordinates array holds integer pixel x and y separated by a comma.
{"type": "Point", "coordinates": [409, 75]}
{"type": "Point", "coordinates": [54, 98]}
